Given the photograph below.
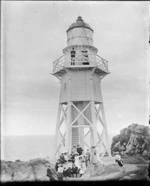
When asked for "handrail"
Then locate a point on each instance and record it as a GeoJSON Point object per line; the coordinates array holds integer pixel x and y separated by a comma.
{"type": "Point", "coordinates": [80, 59]}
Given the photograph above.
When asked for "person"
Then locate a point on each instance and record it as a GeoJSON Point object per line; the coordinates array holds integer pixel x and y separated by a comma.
{"type": "Point", "coordinates": [50, 174]}
{"type": "Point", "coordinates": [118, 159]}
{"type": "Point", "coordinates": [83, 168]}
{"type": "Point", "coordinates": [69, 170]}
{"type": "Point", "coordinates": [79, 150]}
{"type": "Point", "coordinates": [94, 159]}
{"type": "Point", "coordinates": [65, 156]}
{"type": "Point", "coordinates": [62, 158]}
{"type": "Point", "coordinates": [73, 53]}
{"type": "Point", "coordinates": [60, 172]}
{"type": "Point", "coordinates": [60, 168]}
{"type": "Point", "coordinates": [74, 170]}
{"type": "Point", "coordinates": [65, 168]}
{"type": "Point", "coordinates": [56, 165]}
{"type": "Point", "coordinates": [88, 156]}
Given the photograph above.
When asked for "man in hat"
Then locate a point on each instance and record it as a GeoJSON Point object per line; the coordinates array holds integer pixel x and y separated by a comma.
{"type": "Point", "coordinates": [79, 150]}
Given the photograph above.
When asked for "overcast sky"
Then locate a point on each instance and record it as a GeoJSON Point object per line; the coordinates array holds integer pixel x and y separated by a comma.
{"type": "Point", "coordinates": [34, 34]}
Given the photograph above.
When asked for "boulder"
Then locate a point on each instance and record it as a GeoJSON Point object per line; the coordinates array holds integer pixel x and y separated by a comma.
{"type": "Point", "coordinates": [23, 173]}
{"type": "Point", "coordinates": [145, 153]}
{"type": "Point", "coordinates": [133, 176]}
{"type": "Point", "coordinates": [133, 140]}
{"type": "Point", "coordinates": [126, 178]}
{"type": "Point", "coordinates": [33, 170]}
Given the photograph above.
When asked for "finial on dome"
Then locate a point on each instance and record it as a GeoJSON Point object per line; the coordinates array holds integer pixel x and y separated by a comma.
{"type": "Point", "coordinates": [79, 18]}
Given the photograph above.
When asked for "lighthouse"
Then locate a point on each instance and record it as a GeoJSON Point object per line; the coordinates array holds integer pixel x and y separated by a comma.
{"type": "Point", "coordinates": [80, 70]}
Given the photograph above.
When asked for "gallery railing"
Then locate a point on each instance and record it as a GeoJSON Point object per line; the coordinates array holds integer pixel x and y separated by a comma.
{"type": "Point", "coordinates": [80, 60]}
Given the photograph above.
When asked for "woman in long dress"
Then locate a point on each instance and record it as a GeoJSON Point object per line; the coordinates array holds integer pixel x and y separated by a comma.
{"type": "Point", "coordinates": [94, 159]}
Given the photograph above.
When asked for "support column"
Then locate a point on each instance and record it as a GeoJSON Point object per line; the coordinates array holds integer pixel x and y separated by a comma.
{"type": "Point", "coordinates": [105, 127]}
{"type": "Point", "coordinates": [68, 129]}
{"type": "Point", "coordinates": [94, 124]}
{"type": "Point", "coordinates": [93, 113]}
{"type": "Point", "coordinates": [57, 135]}
{"type": "Point", "coordinates": [68, 123]}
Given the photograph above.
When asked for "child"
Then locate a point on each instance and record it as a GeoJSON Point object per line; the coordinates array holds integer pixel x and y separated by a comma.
{"type": "Point", "coordinates": [60, 172]}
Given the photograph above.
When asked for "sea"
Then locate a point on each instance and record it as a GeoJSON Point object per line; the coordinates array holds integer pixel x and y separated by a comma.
{"type": "Point", "coordinates": [25, 148]}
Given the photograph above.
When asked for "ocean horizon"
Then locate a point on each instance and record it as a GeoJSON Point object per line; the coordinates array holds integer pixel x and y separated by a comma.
{"type": "Point", "coordinates": [28, 147]}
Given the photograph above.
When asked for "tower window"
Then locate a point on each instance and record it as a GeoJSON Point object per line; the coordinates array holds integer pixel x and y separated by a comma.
{"type": "Point", "coordinates": [85, 55]}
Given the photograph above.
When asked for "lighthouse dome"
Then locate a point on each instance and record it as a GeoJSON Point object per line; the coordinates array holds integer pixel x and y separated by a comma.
{"type": "Point", "coordinates": [79, 23]}
{"type": "Point", "coordinates": [79, 34]}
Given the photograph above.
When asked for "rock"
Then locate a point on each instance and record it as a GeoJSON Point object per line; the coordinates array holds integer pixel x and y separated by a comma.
{"type": "Point", "coordinates": [23, 173]}
{"type": "Point", "coordinates": [126, 178]}
{"type": "Point", "coordinates": [102, 168]}
{"type": "Point", "coordinates": [6, 175]}
{"type": "Point", "coordinates": [32, 170]}
{"type": "Point", "coordinates": [40, 172]}
{"type": "Point", "coordinates": [133, 176]}
{"type": "Point", "coordinates": [133, 140]}
{"type": "Point", "coordinates": [145, 153]}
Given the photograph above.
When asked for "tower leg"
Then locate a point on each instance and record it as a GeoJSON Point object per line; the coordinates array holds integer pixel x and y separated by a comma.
{"type": "Point", "coordinates": [105, 130]}
{"type": "Point", "coordinates": [94, 124]}
{"type": "Point", "coordinates": [57, 133]}
{"type": "Point", "coordinates": [68, 129]}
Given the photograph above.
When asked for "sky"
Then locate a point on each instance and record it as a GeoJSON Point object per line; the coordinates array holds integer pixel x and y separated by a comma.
{"type": "Point", "coordinates": [34, 35]}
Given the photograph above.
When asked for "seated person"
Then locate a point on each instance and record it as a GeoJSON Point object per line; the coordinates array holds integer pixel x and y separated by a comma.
{"type": "Point", "coordinates": [65, 169]}
{"type": "Point", "coordinates": [51, 174]}
{"type": "Point", "coordinates": [74, 170]}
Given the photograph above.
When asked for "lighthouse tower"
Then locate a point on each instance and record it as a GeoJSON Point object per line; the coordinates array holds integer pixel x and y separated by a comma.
{"type": "Point", "coordinates": [81, 117]}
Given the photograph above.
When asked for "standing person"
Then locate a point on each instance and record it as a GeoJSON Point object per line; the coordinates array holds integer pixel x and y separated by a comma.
{"type": "Point", "coordinates": [79, 150]}
{"type": "Point", "coordinates": [94, 159]}
{"type": "Point", "coordinates": [88, 156]}
{"type": "Point", "coordinates": [77, 163]}
{"type": "Point", "coordinates": [62, 158]}
{"type": "Point", "coordinates": [83, 168]}
{"type": "Point", "coordinates": [66, 156]}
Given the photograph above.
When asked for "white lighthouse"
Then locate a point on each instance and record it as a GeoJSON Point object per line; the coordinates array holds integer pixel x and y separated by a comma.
{"type": "Point", "coordinates": [81, 117]}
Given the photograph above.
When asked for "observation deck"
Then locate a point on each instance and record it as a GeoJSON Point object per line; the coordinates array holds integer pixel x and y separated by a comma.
{"type": "Point", "coordinates": [79, 62]}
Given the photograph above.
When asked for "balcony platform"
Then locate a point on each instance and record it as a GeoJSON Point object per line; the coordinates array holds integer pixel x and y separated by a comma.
{"type": "Point", "coordinates": [61, 65]}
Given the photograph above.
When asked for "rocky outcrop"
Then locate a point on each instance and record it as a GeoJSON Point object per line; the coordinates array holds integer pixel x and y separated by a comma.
{"type": "Point", "coordinates": [33, 170]}
{"type": "Point", "coordinates": [133, 140]}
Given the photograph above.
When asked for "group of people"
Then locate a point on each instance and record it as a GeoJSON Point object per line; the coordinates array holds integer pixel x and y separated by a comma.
{"type": "Point", "coordinates": [75, 164]}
